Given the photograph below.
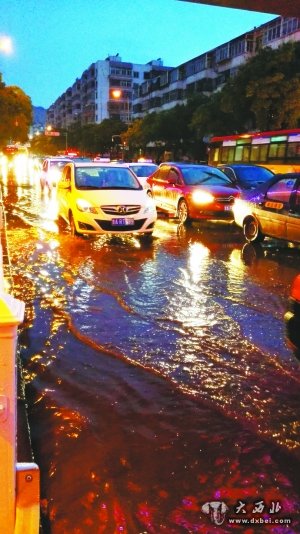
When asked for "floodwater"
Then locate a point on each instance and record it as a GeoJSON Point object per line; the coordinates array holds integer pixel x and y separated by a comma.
{"type": "Point", "coordinates": [158, 377]}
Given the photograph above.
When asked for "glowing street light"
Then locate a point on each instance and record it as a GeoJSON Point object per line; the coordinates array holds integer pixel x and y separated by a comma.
{"type": "Point", "coordinates": [6, 46]}
{"type": "Point", "coordinates": [117, 94]}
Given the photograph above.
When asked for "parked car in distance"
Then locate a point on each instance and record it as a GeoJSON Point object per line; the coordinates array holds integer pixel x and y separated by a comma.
{"type": "Point", "coordinates": [273, 209]}
{"type": "Point", "coordinates": [247, 176]}
{"type": "Point", "coordinates": [51, 171]}
{"type": "Point", "coordinates": [102, 198]}
{"type": "Point", "coordinates": [292, 317]}
{"type": "Point", "coordinates": [142, 170]}
{"type": "Point", "coordinates": [190, 191]}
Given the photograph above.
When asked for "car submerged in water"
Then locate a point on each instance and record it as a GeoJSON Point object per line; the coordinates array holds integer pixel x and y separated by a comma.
{"type": "Point", "coordinates": [104, 198]}
{"type": "Point", "coordinates": [142, 170]}
{"type": "Point", "coordinates": [51, 171]}
{"type": "Point", "coordinates": [272, 209]}
{"type": "Point", "coordinates": [193, 192]}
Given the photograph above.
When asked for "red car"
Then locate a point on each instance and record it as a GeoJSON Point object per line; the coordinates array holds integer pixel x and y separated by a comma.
{"type": "Point", "coordinates": [189, 191]}
{"type": "Point", "coordinates": [292, 317]}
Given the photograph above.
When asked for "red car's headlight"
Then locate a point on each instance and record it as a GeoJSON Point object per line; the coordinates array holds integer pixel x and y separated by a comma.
{"type": "Point", "coordinates": [202, 197]}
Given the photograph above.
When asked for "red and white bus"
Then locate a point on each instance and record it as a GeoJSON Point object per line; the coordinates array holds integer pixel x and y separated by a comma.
{"type": "Point", "coordinates": [279, 150]}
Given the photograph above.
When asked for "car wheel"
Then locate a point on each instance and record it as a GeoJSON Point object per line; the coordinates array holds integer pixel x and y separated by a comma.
{"type": "Point", "coordinates": [252, 231]}
{"type": "Point", "coordinates": [72, 225]}
{"type": "Point", "coordinates": [183, 212]}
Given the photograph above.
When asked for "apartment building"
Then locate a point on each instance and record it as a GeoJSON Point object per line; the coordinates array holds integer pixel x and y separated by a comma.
{"type": "Point", "coordinates": [112, 88]}
{"type": "Point", "coordinates": [105, 90]}
{"type": "Point", "coordinates": [209, 71]}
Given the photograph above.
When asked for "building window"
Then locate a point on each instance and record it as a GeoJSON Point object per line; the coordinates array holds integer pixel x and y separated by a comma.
{"type": "Point", "coordinates": [290, 25]}
{"type": "Point", "coordinates": [272, 32]}
{"type": "Point", "coordinates": [190, 69]}
{"type": "Point", "coordinates": [222, 53]}
{"type": "Point", "coordinates": [163, 79]}
{"type": "Point", "coordinates": [237, 48]}
{"type": "Point", "coordinates": [200, 64]}
{"type": "Point", "coordinates": [174, 75]}
{"type": "Point", "coordinates": [135, 74]}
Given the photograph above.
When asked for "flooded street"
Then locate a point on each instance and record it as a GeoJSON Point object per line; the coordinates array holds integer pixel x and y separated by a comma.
{"type": "Point", "coordinates": [158, 377]}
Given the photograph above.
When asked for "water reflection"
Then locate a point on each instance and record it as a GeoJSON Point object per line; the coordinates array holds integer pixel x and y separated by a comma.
{"type": "Point", "coordinates": [158, 375]}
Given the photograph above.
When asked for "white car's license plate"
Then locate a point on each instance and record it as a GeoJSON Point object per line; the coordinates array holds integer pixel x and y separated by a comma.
{"type": "Point", "coordinates": [122, 222]}
{"type": "Point", "coordinates": [227, 208]}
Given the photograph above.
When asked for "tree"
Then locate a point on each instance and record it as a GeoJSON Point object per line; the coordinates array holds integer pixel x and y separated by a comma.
{"type": "Point", "coordinates": [15, 113]}
{"type": "Point", "coordinates": [265, 93]}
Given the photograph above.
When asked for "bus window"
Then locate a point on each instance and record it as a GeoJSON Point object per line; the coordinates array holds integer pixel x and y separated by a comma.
{"type": "Point", "coordinates": [264, 153]}
{"type": "Point", "coordinates": [259, 153]}
{"type": "Point", "coordinates": [254, 156]}
{"type": "Point", "coordinates": [277, 150]}
{"type": "Point", "coordinates": [293, 150]}
{"type": "Point", "coordinates": [227, 154]}
{"type": "Point", "coordinates": [214, 155]}
{"type": "Point", "coordinates": [238, 156]}
{"type": "Point", "coordinates": [246, 154]}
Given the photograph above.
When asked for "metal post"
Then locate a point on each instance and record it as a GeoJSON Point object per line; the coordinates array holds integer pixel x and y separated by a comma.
{"type": "Point", "coordinates": [11, 315]}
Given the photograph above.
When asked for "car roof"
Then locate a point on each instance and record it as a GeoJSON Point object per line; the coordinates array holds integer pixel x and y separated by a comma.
{"type": "Point", "coordinates": [141, 163]}
{"type": "Point", "coordinates": [181, 164]}
{"type": "Point", "coordinates": [96, 164]}
{"type": "Point", "coordinates": [238, 165]}
{"type": "Point", "coordinates": [58, 158]}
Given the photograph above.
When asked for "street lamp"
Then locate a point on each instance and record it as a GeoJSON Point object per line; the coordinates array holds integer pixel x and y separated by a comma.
{"type": "Point", "coordinates": [117, 94]}
{"type": "Point", "coordinates": [6, 45]}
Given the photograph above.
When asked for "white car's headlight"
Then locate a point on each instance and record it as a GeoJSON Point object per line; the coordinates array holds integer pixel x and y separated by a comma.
{"type": "Point", "coordinates": [150, 206]}
{"type": "Point", "coordinates": [84, 205]}
{"type": "Point", "coordinates": [202, 197]}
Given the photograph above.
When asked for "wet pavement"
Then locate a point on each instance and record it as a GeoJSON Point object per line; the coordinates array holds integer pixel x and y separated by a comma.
{"type": "Point", "coordinates": [157, 375]}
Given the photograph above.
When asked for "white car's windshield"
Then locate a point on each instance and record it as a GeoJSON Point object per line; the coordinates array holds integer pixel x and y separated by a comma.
{"type": "Point", "coordinates": [58, 164]}
{"type": "Point", "coordinates": [143, 170]}
{"type": "Point", "coordinates": [105, 178]}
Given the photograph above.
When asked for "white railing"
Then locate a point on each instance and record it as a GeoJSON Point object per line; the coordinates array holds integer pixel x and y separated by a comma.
{"type": "Point", "coordinates": [19, 482]}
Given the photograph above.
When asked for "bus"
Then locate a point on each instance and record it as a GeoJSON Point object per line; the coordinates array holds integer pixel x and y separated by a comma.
{"type": "Point", "coordinates": [278, 150]}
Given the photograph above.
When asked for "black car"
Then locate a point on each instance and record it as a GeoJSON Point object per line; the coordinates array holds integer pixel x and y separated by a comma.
{"type": "Point", "coordinates": [247, 176]}
{"type": "Point", "coordinates": [292, 317]}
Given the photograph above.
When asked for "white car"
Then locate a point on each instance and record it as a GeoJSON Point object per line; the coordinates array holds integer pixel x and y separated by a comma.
{"type": "Point", "coordinates": [142, 170]}
{"type": "Point", "coordinates": [51, 171]}
{"type": "Point", "coordinates": [101, 198]}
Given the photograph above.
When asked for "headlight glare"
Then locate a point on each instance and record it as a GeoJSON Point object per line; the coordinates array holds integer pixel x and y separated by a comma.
{"type": "Point", "coordinates": [202, 197]}
{"type": "Point", "coordinates": [84, 205]}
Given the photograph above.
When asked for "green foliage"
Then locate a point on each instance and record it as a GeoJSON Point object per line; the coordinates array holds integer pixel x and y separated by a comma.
{"type": "Point", "coordinates": [15, 113]}
{"type": "Point", "coordinates": [265, 92]}
{"type": "Point", "coordinates": [95, 138]}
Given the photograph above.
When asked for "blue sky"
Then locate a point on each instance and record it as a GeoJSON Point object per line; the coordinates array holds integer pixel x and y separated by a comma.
{"type": "Point", "coordinates": [56, 40]}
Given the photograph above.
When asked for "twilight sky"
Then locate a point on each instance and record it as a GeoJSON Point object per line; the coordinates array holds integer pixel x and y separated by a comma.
{"type": "Point", "coordinates": [54, 41]}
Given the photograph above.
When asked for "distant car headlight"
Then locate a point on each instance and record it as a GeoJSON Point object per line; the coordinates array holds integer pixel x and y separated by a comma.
{"type": "Point", "coordinates": [84, 205]}
{"type": "Point", "coordinates": [202, 197]}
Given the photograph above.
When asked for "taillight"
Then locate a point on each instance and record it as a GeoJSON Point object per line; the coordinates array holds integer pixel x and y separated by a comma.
{"type": "Point", "coordinates": [295, 289]}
